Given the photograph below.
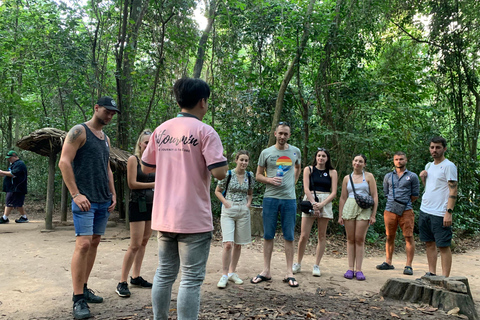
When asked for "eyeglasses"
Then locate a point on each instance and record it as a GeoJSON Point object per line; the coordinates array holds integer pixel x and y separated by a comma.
{"type": "Point", "coordinates": [321, 149]}
{"type": "Point", "coordinates": [283, 123]}
{"type": "Point", "coordinates": [147, 132]}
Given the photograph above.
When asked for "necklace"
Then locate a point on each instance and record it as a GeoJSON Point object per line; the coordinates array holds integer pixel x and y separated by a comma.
{"type": "Point", "coordinates": [357, 176]}
{"type": "Point", "coordinates": [97, 133]}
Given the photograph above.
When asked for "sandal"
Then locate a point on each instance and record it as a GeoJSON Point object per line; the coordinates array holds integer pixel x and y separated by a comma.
{"type": "Point", "coordinates": [408, 271]}
{"type": "Point", "coordinates": [291, 282]}
{"type": "Point", "coordinates": [385, 266]}
{"type": "Point", "coordinates": [259, 279]}
{"type": "Point", "coordinates": [349, 274]}
{"type": "Point", "coordinates": [360, 276]}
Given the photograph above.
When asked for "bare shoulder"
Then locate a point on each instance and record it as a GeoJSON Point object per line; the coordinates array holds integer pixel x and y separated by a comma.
{"type": "Point", "coordinates": [369, 176]}
{"type": "Point", "coordinates": [76, 134]}
{"type": "Point", "coordinates": [333, 172]}
{"type": "Point", "coordinates": [132, 162]}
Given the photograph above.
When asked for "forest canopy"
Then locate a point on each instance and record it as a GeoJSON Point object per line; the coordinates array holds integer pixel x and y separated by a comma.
{"type": "Point", "coordinates": [353, 76]}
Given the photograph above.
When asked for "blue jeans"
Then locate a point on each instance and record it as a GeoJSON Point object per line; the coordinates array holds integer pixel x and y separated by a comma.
{"type": "Point", "coordinates": [288, 212]}
{"type": "Point", "coordinates": [93, 221]}
{"type": "Point", "coordinates": [190, 253]}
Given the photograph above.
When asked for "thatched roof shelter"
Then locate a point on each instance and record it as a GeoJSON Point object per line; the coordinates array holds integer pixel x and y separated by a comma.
{"type": "Point", "coordinates": [48, 141]}
{"type": "Point", "coordinates": [44, 141]}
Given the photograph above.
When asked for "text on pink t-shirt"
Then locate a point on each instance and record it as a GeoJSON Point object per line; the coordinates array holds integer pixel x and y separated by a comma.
{"type": "Point", "coordinates": [182, 150]}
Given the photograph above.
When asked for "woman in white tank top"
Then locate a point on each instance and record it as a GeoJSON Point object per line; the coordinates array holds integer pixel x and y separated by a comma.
{"type": "Point", "coordinates": [355, 219]}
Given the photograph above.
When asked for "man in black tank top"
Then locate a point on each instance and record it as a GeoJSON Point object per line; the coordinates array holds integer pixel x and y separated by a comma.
{"type": "Point", "coordinates": [86, 171]}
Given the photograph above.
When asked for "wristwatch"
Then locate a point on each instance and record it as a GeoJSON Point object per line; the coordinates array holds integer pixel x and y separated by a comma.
{"type": "Point", "coordinates": [450, 211]}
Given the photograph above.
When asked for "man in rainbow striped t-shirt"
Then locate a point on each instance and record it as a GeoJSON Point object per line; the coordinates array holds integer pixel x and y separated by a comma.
{"type": "Point", "coordinates": [279, 197]}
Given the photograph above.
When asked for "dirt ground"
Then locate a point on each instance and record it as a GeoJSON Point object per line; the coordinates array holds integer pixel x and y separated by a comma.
{"type": "Point", "coordinates": [36, 281]}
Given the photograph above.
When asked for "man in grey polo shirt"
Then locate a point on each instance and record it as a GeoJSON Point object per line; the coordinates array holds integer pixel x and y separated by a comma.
{"type": "Point", "coordinates": [401, 188]}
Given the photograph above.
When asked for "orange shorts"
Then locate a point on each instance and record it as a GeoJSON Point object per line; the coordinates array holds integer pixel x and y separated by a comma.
{"type": "Point", "coordinates": [406, 222]}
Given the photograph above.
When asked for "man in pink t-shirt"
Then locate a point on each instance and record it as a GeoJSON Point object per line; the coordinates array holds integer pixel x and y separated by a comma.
{"type": "Point", "coordinates": [183, 152]}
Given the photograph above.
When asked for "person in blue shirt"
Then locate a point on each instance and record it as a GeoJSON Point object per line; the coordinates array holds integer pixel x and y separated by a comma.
{"type": "Point", "coordinates": [15, 185]}
{"type": "Point", "coordinates": [401, 188]}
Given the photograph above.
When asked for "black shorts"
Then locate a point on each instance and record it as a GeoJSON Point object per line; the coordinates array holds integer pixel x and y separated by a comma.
{"type": "Point", "coordinates": [14, 199]}
{"type": "Point", "coordinates": [432, 230]}
{"type": "Point", "coordinates": [134, 213]}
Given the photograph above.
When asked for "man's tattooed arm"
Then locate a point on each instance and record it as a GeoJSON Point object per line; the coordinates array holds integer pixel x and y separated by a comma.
{"type": "Point", "coordinates": [74, 133]}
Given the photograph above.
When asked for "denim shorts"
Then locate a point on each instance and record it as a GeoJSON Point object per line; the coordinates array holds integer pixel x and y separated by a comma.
{"type": "Point", "coordinates": [288, 211]}
{"type": "Point", "coordinates": [93, 221]}
{"type": "Point", "coordinates": [432, 230]}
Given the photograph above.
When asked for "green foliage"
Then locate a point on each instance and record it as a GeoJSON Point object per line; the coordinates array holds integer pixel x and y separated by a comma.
{"type": "Point", "coordinates": [374, 78]}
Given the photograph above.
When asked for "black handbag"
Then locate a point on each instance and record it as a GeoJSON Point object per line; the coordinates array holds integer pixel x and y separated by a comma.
{"type": "Point", "coordinates": [363, 202]}
{"type": "Point", "coordinates": [397, 206]}
{"type": "Point", "coordinates": [305, 205]}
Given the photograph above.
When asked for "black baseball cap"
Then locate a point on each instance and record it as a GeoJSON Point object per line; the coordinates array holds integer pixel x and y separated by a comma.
{"type": "Point", "coordinates": [108, 103]}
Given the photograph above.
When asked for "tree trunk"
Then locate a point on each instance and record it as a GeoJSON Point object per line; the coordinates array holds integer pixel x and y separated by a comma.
{"type": "Point", "coordinates": [197, 70]}
{"type": "Point", "coordinates": [289, 74]}
{"type": "Point", "coordinates": [159, 66]}
{"type": "Point", "coordinates": [126, 49]}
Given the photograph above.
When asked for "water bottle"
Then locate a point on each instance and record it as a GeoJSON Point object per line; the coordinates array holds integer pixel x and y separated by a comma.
{"type": "Point", "coordinates": [280, 172]}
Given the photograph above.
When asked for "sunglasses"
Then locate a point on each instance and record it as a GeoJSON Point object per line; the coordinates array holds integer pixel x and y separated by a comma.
{"type": "Point", "coordinates": [321, 149]}
{"type": "Point", "coordinates": [283, 123]}
{"type": "Point", "coordinates": [147, 132]}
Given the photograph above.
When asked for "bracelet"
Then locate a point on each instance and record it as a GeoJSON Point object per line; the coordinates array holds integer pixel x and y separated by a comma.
{"type": "Point", "coordinates": [75, 195]}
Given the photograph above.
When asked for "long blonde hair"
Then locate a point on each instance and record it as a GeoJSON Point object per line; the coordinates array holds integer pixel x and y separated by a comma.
{"type": "Point", "coordinates": [146, 132]}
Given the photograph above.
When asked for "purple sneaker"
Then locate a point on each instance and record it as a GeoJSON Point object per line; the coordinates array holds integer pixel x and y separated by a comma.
{"type": "Point", "coordinates": [360, 276]}
{"type": "Point", "coordinates": [349, 274]}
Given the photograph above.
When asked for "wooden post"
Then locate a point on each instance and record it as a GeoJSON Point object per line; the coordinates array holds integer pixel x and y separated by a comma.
{"type": "Point", "coordinates": [50, 191]}
{"type": "Point", "coordinates": [64, 202]}
{"type": "Point", "coordinates": [119, 188]}
{"type": "Point", "coordinates": [256, 220]}
{"type": "Point", "coordinates": [127, 202]}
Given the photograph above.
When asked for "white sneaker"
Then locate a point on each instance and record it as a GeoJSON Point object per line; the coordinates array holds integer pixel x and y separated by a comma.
{"type": "Point", "coordinates": [235, 278]}
{"type": "Point", "coordinates": [316, 271]}
{"type": "Point", "coordinates": [297, 267]}
{"type": "Point", "coordinates": [223, 282]}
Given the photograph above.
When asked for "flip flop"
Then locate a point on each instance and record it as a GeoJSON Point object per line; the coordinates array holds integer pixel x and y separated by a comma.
{"type": "Point", "coordinates": [292, 284]}
{"type": "Point", "coordinates": [262, 278]}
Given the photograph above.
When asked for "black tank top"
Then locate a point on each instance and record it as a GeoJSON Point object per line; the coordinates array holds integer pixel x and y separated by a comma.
{"type": "Point", "coordinates": [322, 181]}
{"type": "Point", "coordinates": [142, 177]}
{"type": "Point", "coordinates": [90, 168]}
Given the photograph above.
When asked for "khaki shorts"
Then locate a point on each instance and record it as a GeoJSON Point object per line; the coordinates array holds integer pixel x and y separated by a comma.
{"type": "Point", "coordinates": [406, 222]}
{"type": "Point", "coordinates": [352, 211]}
{"type": "Point", "coordinates": [327, 211]}
{"type": "Point", "coordinates": [235, 222]}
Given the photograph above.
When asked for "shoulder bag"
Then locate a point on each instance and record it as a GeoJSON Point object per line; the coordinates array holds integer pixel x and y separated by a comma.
{"type": "Point", "coordinates": [306, 206]}
{"type": "Point", "coordinates": [397, 206]}
{"type": "Point", "coordinates": [363, 202]}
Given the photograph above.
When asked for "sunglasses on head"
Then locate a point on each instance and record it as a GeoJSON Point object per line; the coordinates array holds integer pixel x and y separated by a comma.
{"type": "Point", "coordinates": [283, 123]}
{"type": "Point", "coordinates": [147, 132]}
{"type": "Point", "coordinates": [321, 149]}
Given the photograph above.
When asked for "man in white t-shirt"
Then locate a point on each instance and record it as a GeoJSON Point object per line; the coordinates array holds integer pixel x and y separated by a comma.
{"type": "Point", "coordinates": [435, 221]}
{"type": "Point", "coordinates": [183, 152]}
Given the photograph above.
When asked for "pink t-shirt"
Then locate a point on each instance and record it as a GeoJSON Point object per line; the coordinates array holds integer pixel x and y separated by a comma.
{"type": "Point", "coordinates": [183, 150]}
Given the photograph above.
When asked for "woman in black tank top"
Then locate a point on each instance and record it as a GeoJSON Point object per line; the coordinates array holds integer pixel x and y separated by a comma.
{"type": "Point", "coordinates": [322, 178]}
{"type": "Point", "coordinates": [140, 214]}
